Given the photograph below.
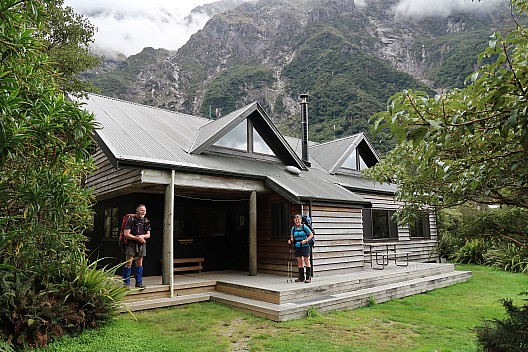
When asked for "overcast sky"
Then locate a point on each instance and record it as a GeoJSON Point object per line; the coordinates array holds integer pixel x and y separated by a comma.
{"type": "Point", "coordinates": [128, 26]}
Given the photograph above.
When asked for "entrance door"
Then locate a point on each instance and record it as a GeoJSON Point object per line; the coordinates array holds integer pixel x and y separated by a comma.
{"type": "Point", "coordinates": [218, 231]}
{"type": "Point", "coordinates": [240, 240]}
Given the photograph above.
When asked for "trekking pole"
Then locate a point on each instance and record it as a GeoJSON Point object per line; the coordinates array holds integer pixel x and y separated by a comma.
{"type": "Point", "coordinates": [311, 261]}
{"type": "Point", "coordinates": [290, 266]}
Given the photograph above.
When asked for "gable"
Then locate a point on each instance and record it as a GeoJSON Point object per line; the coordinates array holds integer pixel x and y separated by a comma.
{"type": "Point", "coordinates": [349, 153]}
{"type": "Point", "coordinates": [248, 130]}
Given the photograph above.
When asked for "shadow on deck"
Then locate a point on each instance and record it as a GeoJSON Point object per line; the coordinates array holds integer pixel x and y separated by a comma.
{"type": "Point", "coordinates": [275, 298]}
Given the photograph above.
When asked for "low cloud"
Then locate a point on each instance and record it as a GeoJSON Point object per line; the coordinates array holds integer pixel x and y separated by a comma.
{"type": "Point", "coordinates": [126, 27]}
{"type": "Point", "coordinates": [442, 8]}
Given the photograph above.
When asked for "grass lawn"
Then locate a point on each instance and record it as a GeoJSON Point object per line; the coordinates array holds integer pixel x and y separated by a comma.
{"type": "Point", "coordinates": [437, 321]}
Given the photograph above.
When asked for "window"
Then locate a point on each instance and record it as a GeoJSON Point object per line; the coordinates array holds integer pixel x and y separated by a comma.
{"type": "Point", "coordinates": [111, 223]}
{"type": "Point", "coordinates": [236, 138]}
{"type": "Point", "coordinates": [259, 145]}
{"type": "Point", "coordinates": [244, 137]}
{"type": "Point", "coordinates": [420, 228]}
{"type": "Point", "coordinates": [280, 219]}
{"type": "Point", "coordinates": [189, 222]}
{"type": "Point", "coordinates": [378, 224]}
{"type": "Point", "coordinates": [355, 161]}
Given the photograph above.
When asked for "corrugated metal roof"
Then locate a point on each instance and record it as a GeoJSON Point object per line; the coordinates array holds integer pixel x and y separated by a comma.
{"type": "Point", "coordinates": [331, 155]}
{"type": "Point", "coordinates": [216, 129]}
{"type": "Point", "coordinates": [142, 136]}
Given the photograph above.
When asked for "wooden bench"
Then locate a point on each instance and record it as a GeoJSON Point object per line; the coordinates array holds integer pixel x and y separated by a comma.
{"type": "Point", "coordinates": [188, 264]}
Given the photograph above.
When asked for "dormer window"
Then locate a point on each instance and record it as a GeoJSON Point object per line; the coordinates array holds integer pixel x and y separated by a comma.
{"type": "Point", "coordinates": [244, 137]}
{"type": "Point", "coordinates": [355, 161]}
{"type": "Point", "coordinates": [236, 138]}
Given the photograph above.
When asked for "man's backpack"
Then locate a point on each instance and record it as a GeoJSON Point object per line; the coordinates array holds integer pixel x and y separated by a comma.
{"type": "Point", "coordinates": [306, 220]}
{"type": "Point", "coordinates": [122, 240]}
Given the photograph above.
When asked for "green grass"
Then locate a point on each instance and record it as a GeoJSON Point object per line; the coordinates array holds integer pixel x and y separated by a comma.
{"type": "Point", "coordinates": [441, 320]}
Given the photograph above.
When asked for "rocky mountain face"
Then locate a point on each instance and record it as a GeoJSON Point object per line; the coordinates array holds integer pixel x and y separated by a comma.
{"type": "Point", "coordinates": [350, 58]}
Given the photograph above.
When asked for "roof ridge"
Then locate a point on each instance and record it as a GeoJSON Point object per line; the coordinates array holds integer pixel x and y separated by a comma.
{"type": "Point", "coordinates": [147, 106]}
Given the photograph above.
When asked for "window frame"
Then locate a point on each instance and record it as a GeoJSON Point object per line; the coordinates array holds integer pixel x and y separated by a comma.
{"type": "Point", "coordinates": [368, 224]}
{"type": "Point", "coordinates": [111, 223]}
{"type": "Point", "coordinates": [280, 219]}
{"type": "Point", "coordinates": [421, 228]}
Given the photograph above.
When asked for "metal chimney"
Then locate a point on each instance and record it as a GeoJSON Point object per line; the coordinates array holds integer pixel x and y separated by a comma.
{"type": "Point", "coordinates": [304, 124]}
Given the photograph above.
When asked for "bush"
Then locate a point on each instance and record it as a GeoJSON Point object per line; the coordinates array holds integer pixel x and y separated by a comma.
{"type": "Point", "coordinates": [495, 237]}
{"type": "Point", "coordinates": [472, 252]}
{"type": "Point", "coordinates": [508, 335]}
{"type": "Point", "coordinates": [31, 313]}
{"type": "Point", "coordinates": [508, 257]}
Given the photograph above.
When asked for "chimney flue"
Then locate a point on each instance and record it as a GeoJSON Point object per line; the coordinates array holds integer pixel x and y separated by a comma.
{"type": "Point", "coordinates": [304, 125]}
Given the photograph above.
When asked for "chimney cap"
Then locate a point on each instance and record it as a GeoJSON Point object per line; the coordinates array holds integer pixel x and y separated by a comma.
{"type": "Point", "coordinates": [304, 95]}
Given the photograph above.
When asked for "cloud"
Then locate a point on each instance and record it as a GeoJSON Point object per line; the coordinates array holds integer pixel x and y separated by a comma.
{"type": "Point", "coordinates": [128, 26]}
{"type": "Point", "coordinates": [442, 8]}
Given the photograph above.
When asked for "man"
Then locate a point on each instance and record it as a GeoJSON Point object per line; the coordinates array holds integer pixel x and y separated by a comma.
{"type": "Point", "coordinates": [136, 231]}
{"type": "Point", "coordinates": [300, 237]}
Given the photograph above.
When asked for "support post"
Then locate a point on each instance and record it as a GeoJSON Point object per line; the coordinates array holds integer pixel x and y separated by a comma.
{"type": "Point", "coordinates": [168, 226]}
{"type": "Point", "coordinates": [253, 234]}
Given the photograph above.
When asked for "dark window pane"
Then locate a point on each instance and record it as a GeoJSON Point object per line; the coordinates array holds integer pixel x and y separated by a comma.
{"type": "Point", "coordinates": [367, 224]}
{"type": "Point", "coordinates": [280, 219]}
{"type": "Point", "coordinates": [380, 224]}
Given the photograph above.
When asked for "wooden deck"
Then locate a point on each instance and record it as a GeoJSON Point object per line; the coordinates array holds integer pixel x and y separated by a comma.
{"type": "Point", "coordinates": [275, 298]}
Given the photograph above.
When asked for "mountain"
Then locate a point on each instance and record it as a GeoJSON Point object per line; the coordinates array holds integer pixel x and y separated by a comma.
{"type": "Point", "coordinates": [350, 58]}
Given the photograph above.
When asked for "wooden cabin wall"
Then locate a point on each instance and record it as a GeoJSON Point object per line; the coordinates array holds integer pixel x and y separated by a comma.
{"type": "Point", "coordinates": [106, 179]}
{"type": "Point", "coordinates": [420, 249]}
{"type": "Point", "coordinates": [339, 239]}
{"type": "Point", "coordinates": [272, 252]}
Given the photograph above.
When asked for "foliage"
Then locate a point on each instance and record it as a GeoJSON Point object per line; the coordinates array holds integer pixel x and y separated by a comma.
{"type": "Point", "coordinates": [227, 91]}
{"type": "Point", "coordinates": [472, 252]}
{"type": "Point", "coordinates": [467, 144]}
{"type": "Point", "coordinates": [116, 82]}
{"type": "Point", "coordinates": [45, 146]}
{"type": "Point", "coordinates": [32, 313]}
{"type": "Point", "coordinates": [509, 334]}
{"type": "Point", "coordinates": [507, 256]}
{"type": "Point", "coordinates": [491, 236]}
{"type": "Point", "coordinates": [67, 42]}
{"type": "Point", "coordinates": [346, 84]}
{"type": "Point", "coordinates": [451, 58]}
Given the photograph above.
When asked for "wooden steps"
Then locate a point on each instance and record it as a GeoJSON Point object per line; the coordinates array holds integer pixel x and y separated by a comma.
{"type": "Point", "coordinates": [138, 305]}
{"type": "Point", "coordinates": [273, 297]}
{"type": "Point", "coordinates": [340, 300]}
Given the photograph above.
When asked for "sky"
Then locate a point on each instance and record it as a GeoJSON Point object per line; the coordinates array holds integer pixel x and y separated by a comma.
{"type": "Point", "coordinates": [128, 26]}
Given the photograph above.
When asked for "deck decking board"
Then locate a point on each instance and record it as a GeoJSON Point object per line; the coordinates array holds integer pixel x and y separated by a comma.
{"type": "Point", "coordinates": [273, 297]}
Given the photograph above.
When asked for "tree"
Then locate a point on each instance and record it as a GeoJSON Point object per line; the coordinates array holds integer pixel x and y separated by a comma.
{"type": "Point", "coordinates": [67, 38]}
{"type": "Point", "coordinates": [47, 286]}
{"type": "Point", "coordinates": [467, 144]}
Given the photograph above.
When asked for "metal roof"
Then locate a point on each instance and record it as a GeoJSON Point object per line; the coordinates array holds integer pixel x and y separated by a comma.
{"type": "Point", "coordinates": [139, 136]}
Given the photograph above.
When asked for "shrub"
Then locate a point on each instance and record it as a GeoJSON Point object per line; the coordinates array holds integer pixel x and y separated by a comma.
{"type": "Point", "coordinates": [508, 335]}
{"type": "Point", "coordinates": [472, 252]}
{"type": "Point", "coordinates": [31, 313]}
{"type": "Point", "coordinates": [508, 257]}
